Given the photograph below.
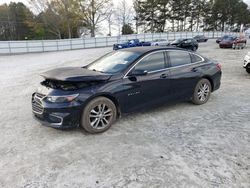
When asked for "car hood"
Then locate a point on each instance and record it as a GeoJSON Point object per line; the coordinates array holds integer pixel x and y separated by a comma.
{"type": "Point", "coordinates": [75, 74]}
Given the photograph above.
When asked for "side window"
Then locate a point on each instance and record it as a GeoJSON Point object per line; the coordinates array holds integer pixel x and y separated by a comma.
{"type": "Point", "coordinates": [152, 62]}
{"type": "Point", "coordinates": [178, 58]}
{"type": "Point", "coordinates": [195, 58]}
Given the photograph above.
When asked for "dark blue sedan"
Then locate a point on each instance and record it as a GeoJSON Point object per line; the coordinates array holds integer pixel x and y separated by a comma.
{"type": "Point", "coordinates": [130, 43]}
{"type": "Point", "coordinates": [120, 82]}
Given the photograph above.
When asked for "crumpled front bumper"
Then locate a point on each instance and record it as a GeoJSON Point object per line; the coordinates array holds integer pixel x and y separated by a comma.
{"type": "Point", "coordinates": [60, 116]}
{"type": "Point", "coordinates": [58, 120]}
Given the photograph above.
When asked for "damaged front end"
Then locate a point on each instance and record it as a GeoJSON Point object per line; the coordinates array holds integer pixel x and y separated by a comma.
{"type": "Point", "coordinates": [60, 99]}
{"type": "Point", "coordinates": [68, 85]}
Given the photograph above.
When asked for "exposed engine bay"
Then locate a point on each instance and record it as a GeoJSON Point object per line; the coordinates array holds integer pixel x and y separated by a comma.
{"type": "Point", "coordinates": [67, 85]}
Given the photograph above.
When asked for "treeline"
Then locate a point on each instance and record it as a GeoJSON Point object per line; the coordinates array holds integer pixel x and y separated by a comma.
{"type": "Point", "coordinates": [190, 15]}
{"type": "Point", "coordinates": [50, 19]}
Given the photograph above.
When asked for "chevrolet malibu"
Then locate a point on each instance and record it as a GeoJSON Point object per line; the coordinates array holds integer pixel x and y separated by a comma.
{"type": "Point", "coordinates": [121, 82]}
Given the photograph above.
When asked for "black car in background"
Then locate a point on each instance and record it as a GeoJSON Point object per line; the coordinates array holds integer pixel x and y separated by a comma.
{"type": "Point", "coordinates": [123, 81]}
{"type": "Point", "coordinates": [190, 44]}
{"type": "Point", "coordinates": [201, 38]}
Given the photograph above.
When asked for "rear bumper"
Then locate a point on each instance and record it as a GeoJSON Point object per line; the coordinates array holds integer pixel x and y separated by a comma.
{"type": "Point", "coordinates": [217, 81]}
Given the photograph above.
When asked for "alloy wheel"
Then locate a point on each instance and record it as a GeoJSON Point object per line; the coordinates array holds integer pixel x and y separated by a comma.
{"type": "Point", "coordinates": [203, 92]}
{"type": "Point", "coordinates": [100, 116]}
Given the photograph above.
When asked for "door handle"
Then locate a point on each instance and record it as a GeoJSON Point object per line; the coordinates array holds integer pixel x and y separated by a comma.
{"type": "Point", "coordinates": [194, 70]}
{"type": "Point", "coordinates": [164, 76]}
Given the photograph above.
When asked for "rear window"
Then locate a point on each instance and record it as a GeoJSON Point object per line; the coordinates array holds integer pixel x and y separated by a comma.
{"type": "Point", "coordinates": [195, 58]}
{"type": "Point", "coordinates": [178, 58]}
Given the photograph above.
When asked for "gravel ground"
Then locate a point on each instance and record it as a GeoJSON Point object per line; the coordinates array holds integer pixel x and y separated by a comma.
{"type": "Point", "coordinates": [181, 145]}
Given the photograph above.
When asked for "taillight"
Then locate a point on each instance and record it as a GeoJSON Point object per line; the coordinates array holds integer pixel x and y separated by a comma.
{"type": "Point", "coordinates": [218, 66]}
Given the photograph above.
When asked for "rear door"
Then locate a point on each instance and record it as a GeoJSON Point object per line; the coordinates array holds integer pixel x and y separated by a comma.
{"type": "Point", "coordinates": [183, 73]}
{"type": "Point", "coordinates": [150, 89]}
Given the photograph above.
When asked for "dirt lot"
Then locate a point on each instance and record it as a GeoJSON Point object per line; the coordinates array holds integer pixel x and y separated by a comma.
{"type": "Point", "coordinates": [181, 145]}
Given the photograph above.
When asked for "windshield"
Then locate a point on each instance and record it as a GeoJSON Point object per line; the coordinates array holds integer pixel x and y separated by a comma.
{"type": "Point", "coordinates": [114, 62]}
{"type": "Point", "coordinates": [229, 38]}
{"type": "Point", "coordinates": [225, 37]}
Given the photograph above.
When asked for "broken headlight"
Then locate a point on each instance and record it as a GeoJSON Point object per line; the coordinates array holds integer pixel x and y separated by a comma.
{"type": "Point", "coordinates": [62, 99]}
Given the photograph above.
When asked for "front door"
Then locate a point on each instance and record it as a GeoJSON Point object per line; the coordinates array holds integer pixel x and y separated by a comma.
{"type": "Point", "coordinates": [149, 89]}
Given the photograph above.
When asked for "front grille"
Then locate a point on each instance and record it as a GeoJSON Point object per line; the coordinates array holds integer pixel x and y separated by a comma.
{"type": "Point", "coordinates": [37, 103]}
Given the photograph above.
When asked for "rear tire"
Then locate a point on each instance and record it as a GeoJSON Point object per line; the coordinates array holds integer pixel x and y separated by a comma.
{"type": "Point", "coordinates": [194, 48]}
{"type": "Point", "coordinates": [98, 115]}
{"type": "Point", "coordinates": [202, 92]}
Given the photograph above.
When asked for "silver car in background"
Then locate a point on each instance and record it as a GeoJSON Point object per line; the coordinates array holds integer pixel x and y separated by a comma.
{"type": "Point", "coordinates": [160, 42]}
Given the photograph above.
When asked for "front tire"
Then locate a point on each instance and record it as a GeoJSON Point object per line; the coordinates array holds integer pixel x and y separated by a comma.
{"type": "Point", "coordinates": [98, 115]}
{"type": "Point", "coordinates": [202, 92]}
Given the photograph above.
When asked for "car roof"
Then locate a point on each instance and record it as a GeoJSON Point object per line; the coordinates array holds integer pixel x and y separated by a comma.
{"type": "Point", "coordinates": [147, 49]}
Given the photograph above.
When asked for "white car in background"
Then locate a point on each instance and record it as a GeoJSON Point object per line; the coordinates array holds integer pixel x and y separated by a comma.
{"type": "Point", "coordinates": [247, 62]}
{"type": "Point", "coordinates": [247, 33]}
{"type": "Point", "coordinates": [160, 42]}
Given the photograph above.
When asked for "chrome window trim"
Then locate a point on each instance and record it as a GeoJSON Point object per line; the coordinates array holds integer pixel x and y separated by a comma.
{"type": "Point", "coordinates": [126, 74]}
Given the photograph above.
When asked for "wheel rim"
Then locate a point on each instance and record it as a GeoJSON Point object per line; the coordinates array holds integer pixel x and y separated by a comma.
{"type": "Point", "coordinates": [100, 116]}
{"type": "Point", "coordinates": [194, 48]}
{"type": "Point", "coordinates": [203, 92]}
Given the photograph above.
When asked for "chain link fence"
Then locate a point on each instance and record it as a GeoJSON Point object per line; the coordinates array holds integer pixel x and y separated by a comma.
{"type": "Point", "coordinates": [15, 47]}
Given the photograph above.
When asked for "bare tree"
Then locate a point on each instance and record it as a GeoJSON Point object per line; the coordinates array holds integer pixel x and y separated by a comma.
{"type": "Point", "coordinates": [110, 21]}
{"type": "Point", "coordinates": [50, 18]}
{"type": "Point", "coordinates": [124, 14]}
{"type": "Point", "coordinates": [94, 12]}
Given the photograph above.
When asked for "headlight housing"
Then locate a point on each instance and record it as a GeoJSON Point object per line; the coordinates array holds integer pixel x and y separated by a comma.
{"type": "Point", "coordinates": [62, 98]}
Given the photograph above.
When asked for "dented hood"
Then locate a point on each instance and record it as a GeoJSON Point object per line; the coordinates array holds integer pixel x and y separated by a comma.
{"type": "Point", "coordinates": [75, 74]}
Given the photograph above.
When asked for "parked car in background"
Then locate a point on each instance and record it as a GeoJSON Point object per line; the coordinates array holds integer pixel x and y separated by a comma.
{"type": "Point", "coordinates": [239, 43]}
{"type": "Point", "coordinates": [246, 64]}
{"type": "Point", "coordinates": [160, 42]}
{"type": "Point", "coordinates": [247, 33]}
{"type": "Point", "coordinates": [233, 42]}
{"type": "Point", "coordinates": [121, 82]}
{"type": "Point", "coordinates": [190, 44]}
{"type": "Point", "coordinates": [218, 40]}
{"type": "Point", "coordinates": [201, 38]}
{"type": "Point", "coordinates": [143, 43]}
{"type": "Point", "coordinates": [130, 43]}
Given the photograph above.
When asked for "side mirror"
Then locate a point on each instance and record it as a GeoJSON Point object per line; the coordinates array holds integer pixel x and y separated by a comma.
{"type": "Point", "coordinates": [138, 72]}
